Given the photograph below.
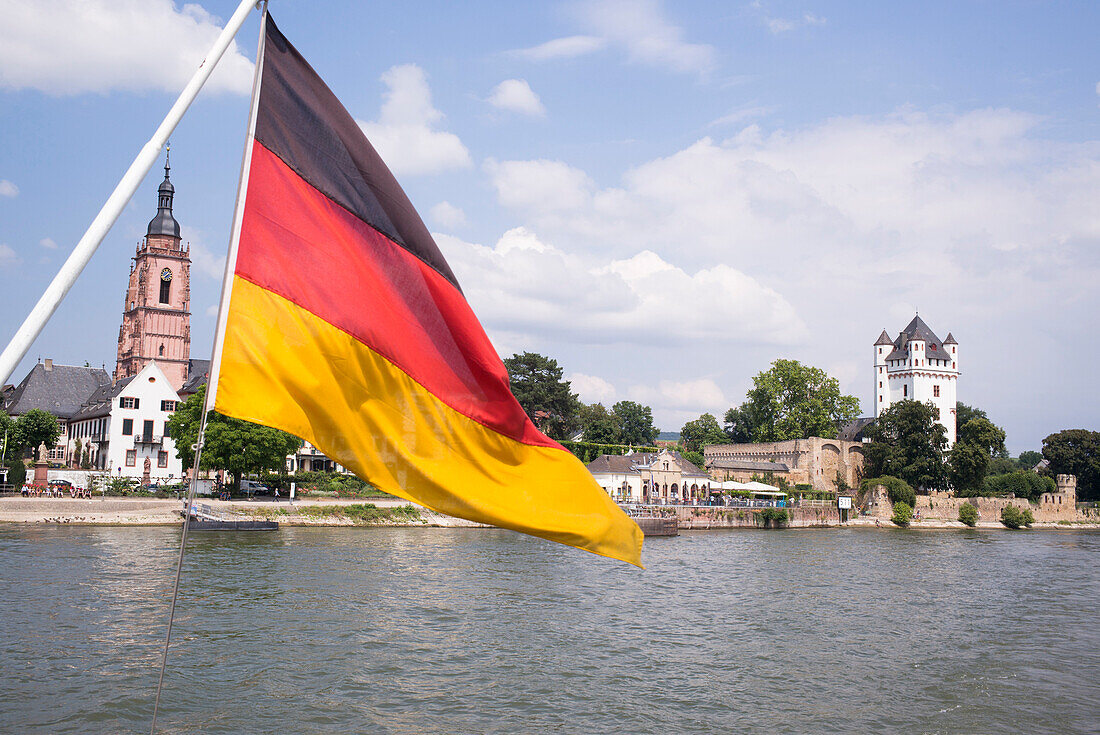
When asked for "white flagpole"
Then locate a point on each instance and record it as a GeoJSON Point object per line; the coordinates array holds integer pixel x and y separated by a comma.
{"type": "Point", "coordinates": [219, 333]}
{"type": "Point", "coordinates": [101, 225]}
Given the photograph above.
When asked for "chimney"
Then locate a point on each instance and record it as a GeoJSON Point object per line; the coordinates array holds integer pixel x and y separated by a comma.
{"type": "Point", "coordinates": [49, 365]}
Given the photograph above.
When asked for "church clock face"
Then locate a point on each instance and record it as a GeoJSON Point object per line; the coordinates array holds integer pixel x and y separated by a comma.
{"type": "Point", "coordinates": [166, 275]}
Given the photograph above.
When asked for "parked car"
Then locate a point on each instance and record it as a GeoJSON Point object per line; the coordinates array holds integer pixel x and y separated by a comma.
{"type": "Point", "coordinates": [252, 487]}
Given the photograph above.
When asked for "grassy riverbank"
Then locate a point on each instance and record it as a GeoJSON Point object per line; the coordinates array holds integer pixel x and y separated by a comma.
{"type": "Point", "coordinates": [355, 514]}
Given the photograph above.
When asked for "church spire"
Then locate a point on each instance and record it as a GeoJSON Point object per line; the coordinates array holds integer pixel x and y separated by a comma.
{"type": "Point", "coordinates": [164, 223]}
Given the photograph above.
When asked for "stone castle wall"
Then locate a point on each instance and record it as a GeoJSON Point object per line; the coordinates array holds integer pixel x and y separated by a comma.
{"type": "Point", "coordinates": [814, 461]}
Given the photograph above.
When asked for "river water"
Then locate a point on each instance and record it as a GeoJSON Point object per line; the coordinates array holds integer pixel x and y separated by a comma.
{"type": "Point", "coordinates": [426, 630]}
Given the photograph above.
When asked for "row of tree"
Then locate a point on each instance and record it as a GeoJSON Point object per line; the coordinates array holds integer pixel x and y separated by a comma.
{"type": "Point", "coordinates": [29, 431]}
{"type": "Point", "coordinates": [548, 399]}
{"type": "Point", "coordinates": [909, 443]}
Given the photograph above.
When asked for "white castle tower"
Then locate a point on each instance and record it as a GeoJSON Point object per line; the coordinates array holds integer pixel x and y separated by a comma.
{"type": "Point", "coordinates": [919, 366]}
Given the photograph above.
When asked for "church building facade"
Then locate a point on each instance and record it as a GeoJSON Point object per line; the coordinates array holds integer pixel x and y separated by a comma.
{"type": "Point", "coordinates": [920, 366]}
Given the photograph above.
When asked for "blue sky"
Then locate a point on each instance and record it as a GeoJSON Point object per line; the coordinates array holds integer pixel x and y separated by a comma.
{"type": "Point", "coordinates": [663, 196]}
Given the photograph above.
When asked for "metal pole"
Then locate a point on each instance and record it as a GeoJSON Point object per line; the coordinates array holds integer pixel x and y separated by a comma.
{"type": "Point", "coordinates": [242, 185]}
{"type": "Point", "coordinates": [32, 326]}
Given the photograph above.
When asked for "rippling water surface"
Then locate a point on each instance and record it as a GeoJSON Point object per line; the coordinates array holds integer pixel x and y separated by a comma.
{"type": "Point", "coordinates": [469, 630]}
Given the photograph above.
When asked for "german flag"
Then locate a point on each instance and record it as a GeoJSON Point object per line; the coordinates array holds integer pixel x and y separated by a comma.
{"type": "Point", "coordinates": [347, 328]}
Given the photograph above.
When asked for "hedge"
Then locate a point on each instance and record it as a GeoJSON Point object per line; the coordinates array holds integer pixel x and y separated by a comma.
{"type": "Point", "coordinates": [587, 451]}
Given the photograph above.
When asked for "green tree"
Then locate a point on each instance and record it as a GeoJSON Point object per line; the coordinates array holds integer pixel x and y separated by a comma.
{"type": "Point", "coordinates": [1013, 517]}
{"type": "Point", "coordinates": [9, 438]}
{"type": "Point", "coordinates": [740, 422]}
{"type": "Point", "coordinates": [1027, 460]}
{"type": "Point", "coordinates": [37, 427]}
{"type": "Point", "coordinates": [695, 458]}
{"type": "Point", "coordinates": [1021, 483]}
{"type": "Point", "coordinates": [791, 401]}
{"type": "Point", "coordinates": [635, 423]}
{"type": "Point", "coordinates": [964, 414]}
{"type": "Point", "coordinates": [238, 447]}
{"type": "Point", "coordinates": [1076, 452]}
{"type": "Point", "coordinates": [903, 514]}
{"type": "Point", "coordinates": [968, 515]}
{"type": "Point", "coordinates": [547, 398]}
{"type": "Point", "coordinates": [599, 425]}
{"type": "Point", "coordinates": [979, 441]}
{"type": "Point", "coordinates": [700, 432]}
{"type": "Point", "coordinates": [907, 442]}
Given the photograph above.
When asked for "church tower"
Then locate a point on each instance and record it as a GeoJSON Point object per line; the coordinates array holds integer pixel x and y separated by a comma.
{"type": "Point", "coordinates": [156, 317]}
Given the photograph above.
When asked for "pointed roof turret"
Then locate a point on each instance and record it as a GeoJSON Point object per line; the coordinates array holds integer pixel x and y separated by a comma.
{"type": "Point", "coordinates": [950, 339]}
{"type": "Point", "coordinates": [884, 339]}
{"type": "Point", "coordinates": [164, 223]}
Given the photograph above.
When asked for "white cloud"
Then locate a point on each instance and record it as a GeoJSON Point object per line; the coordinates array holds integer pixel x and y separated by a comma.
{"type": "Point", "coordinates": [561, 48]}
{"type": "Point", "coordinates": [516, 95]}
{"type": "Point", "coordinates": [910, 200]}
{"type": "Point", "coordinates": [541, 184]}
{"type": "Point", "coordinates": [8, 189]}
{"type": "Point", "coordinates": [212, 310]}
{"type": "Point", "coordinates": [782, 25]}
{"type": "Point", "coordinates": [524, 285]}
{"type": "Point", "coordinates": [593, 389]}
{"type": "Point", "coordinates": [741, 114]}
{"type": "Point", "coordinates": [66, 47]}
{"type": "Point", "coordinates": [48, 243]}
{"type": "Point", "coordinates": [404, 133]}
{"type": "Point", "coordinates": [207, 263]}
{"type": "Point", "coordinates": [446, 214]}
{"type": "Point", "coordinates": [686, 399]}
{"type": "Point", "coordinates": [8, 256]}
{"type": "Point", "coordinates": [640, 27]}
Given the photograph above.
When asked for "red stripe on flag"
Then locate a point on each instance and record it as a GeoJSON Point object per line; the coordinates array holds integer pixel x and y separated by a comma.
{"type": "Point", "coordinates": [299, 244]}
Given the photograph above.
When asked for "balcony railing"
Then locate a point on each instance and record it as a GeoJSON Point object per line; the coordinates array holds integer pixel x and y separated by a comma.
{"type": "Point", "coordinates": [147, 439]}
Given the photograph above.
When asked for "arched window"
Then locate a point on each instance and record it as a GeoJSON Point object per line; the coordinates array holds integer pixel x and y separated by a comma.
{"type": "Point", "coordinates": [161, 351]}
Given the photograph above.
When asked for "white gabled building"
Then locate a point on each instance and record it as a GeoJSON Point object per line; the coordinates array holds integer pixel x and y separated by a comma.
{"type": "Point", "coordinates": [125, 424]}
{"type": "Point", "coordinates": [662, 477]}
{"type": "Point", "coordinates": [918, 366]}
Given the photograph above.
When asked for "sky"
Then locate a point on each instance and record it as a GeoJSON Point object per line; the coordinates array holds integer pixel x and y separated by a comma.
{"type": "Point", "coordinates": [664, 197]}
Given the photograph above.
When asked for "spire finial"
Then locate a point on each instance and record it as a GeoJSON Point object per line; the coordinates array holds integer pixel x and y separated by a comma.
{"type": "Point", "coordinates": [167, 151]}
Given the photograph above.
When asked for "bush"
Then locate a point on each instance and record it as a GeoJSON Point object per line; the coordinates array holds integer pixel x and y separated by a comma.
{"type": "Point", "coordinates": [1013, 517]}
{"type": "Point", "coordinates": [968, 515]}
{"type": "Point", "coordinates": [897, 490]}
{"type": "Point", "coordinates": [323, 484]}
{"type": "Point", "coordinates": [1022, 484]}
{"type": "Point", "coordinates": [903, 513]}
{"type": "Point", "coordinates": [779, 515]}
{"type": "Point", "coordinates": [17, 474]}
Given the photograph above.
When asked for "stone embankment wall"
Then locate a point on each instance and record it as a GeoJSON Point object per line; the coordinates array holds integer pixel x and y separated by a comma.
{"type": "Point", "coordinates": [1051, 508]}
{"type": "Point", "coordinates": [707, 517]}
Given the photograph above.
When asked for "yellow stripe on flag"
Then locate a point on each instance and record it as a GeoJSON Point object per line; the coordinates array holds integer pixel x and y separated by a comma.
{"type": "Point", "coordinates": [284, 367]}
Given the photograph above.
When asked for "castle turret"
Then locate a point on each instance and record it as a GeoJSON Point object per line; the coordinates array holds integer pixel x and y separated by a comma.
{"type": "Point", "coordinates": [883, 346]}
{"type": "Point", "coordinates": [918, 366]}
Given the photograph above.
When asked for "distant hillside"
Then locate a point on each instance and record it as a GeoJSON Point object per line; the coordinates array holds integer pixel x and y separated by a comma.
{"type": "Point", "coordinates": [672, 436]}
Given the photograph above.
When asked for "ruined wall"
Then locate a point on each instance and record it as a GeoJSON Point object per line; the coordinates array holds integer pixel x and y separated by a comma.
{"type": "Point", "coordinates": [702, 518]}
{"type": "Point", "coordinates": [945, 506]}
